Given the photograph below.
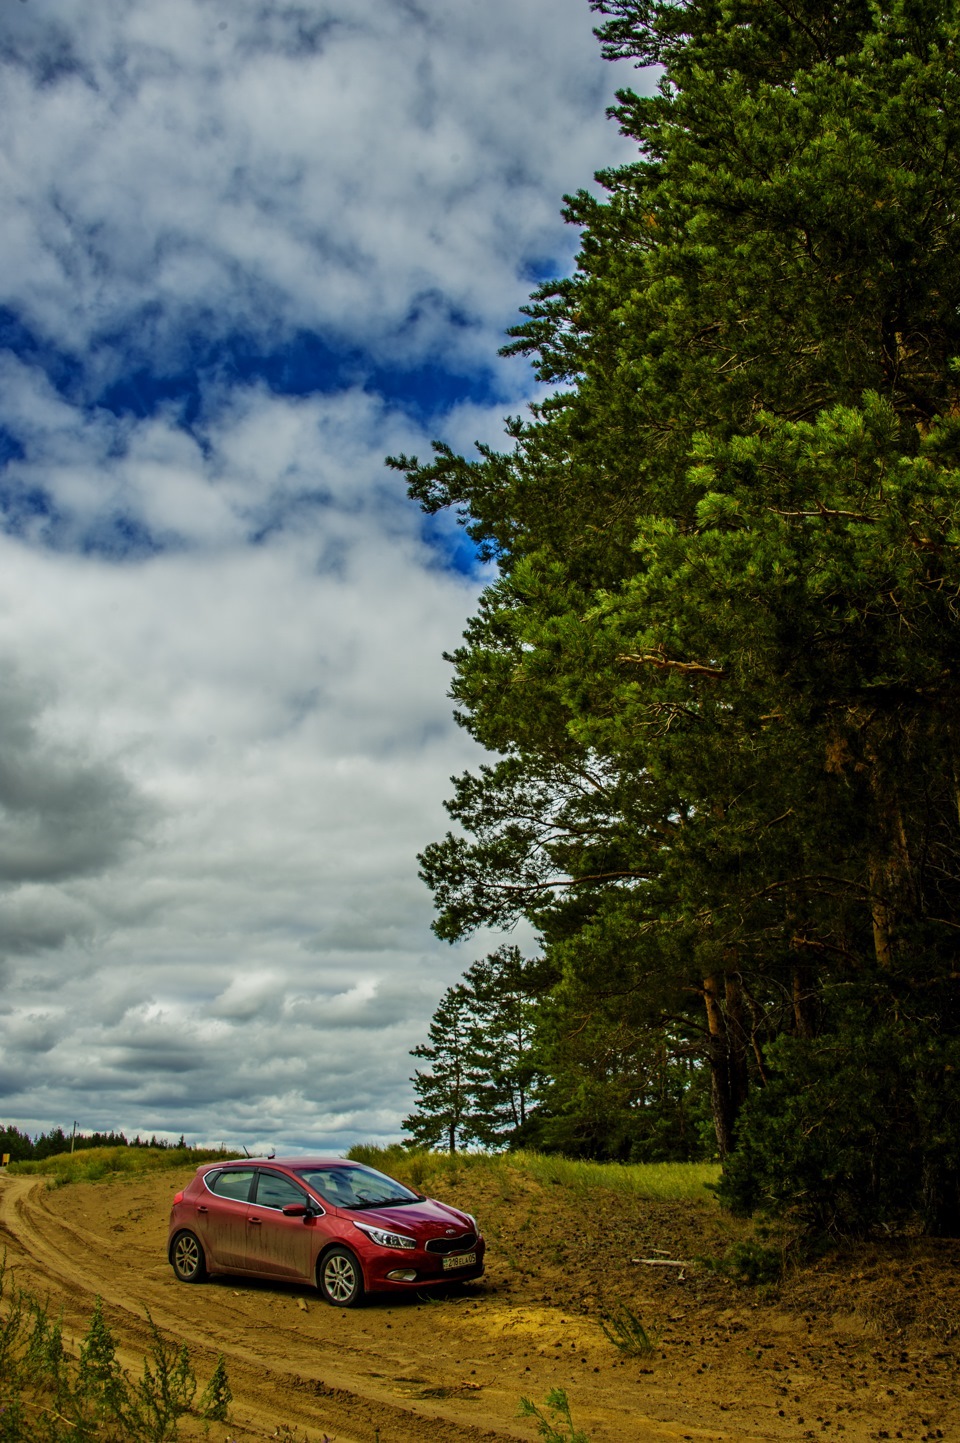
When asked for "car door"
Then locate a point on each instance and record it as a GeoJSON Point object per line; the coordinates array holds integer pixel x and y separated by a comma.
{"type": "Point", "coordinates": [279, 1246]}
{"type": "Point", "coordinates": [222, 1211]}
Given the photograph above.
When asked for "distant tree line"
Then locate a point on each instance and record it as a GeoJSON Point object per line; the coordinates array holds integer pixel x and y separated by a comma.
{"type": "Point", "coordinates": [718, 670]}
{"type": "Point", "coordinates": [23, 1148]}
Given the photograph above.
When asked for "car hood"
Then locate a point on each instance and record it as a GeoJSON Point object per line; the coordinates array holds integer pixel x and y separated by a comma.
{"type": "Point", "coordinates": [427, 1219]}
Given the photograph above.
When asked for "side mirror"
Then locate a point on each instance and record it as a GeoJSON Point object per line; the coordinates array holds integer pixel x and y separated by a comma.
{"type": "Point", "coordinates": [296, 1210]}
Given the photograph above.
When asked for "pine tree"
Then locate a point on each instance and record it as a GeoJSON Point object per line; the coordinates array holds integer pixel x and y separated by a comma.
{"type": "Point", "coordinates": [502, 1072]}
{"type": "Point", "coordinates": [720, 661]}
{"type": "Point", "coordinates": [443, 1092]}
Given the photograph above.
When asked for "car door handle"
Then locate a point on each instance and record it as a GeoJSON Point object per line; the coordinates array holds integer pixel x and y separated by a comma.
{"type": "Point", "coordinates": [254, 1220]}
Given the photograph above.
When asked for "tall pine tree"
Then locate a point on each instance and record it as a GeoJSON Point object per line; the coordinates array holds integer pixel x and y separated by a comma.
{"type": "Point", "coordinates": [720, 659]}
{"type": "Point", "coordinates": [443, 1091]}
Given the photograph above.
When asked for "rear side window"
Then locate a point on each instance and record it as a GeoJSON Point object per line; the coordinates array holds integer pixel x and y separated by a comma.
{"type": "Point", "coordinates": [232, 1183]}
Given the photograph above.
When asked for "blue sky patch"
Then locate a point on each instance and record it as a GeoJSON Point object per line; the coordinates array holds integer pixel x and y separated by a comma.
{"type": "Point", "coordinates": [304, 365]}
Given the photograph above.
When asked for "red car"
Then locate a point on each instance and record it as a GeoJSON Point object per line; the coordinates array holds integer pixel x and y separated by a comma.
{"type": "Point", "coordinates": [325, 1221]}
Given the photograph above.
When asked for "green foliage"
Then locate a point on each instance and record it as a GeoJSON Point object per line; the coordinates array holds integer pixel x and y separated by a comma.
{"type": "Point", "coordinates": [166, 1389]}
{"type": "Point", "coordinates": [720, 663]}
{"type": "Point", "coordinates": [749, 1263]}
{"type": "Point", "coordinates": [99, 1376]}
{"type": "Point", "coordinates": [15, 1143]}
{"type": "Point", "coordinates": [626, 1332]}
{"type": "Point", "coordinates": [218, 1395]}
{"type": "Point", "coordinates": [47, 1395]}
{"type": "Point", "coordinates": [558, 1426]}
{"type": "Point", "coordinates": [857, 1127]}
{"type": "Point", "coordinates": [23, 1148]}
{"type": "Point", "coordinates": [482, 1080]}
{"type": "Point", "coordinates": [657, 1182]}
{"type": "Point", "coordinates": [443, 1092]}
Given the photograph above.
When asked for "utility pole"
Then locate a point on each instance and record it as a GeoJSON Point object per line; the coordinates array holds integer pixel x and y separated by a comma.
{"type": "Point", "coordinates": [73, 1137]}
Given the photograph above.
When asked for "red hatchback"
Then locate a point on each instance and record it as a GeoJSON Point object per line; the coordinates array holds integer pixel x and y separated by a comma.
{"type": "Point", "coordinates": [328, 1221]}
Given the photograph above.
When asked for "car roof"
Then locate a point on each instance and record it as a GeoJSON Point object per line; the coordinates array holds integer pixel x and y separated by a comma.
{"type": "Point", "coordinates": [288, 1162]}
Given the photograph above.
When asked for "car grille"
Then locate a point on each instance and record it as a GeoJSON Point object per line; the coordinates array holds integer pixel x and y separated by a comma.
{"type": "Point", "coordinates": [451, 1245]}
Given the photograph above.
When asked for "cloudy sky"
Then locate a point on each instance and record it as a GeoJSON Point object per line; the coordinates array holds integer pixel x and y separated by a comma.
{"type": "Point", "coordinates": [249, 248]}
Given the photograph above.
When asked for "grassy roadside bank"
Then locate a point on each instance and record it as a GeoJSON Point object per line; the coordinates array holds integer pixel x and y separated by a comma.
{"type": "Point", "coordinates": [94, 1164]}
{"type": "Point", "coordinates": [654, 1181]}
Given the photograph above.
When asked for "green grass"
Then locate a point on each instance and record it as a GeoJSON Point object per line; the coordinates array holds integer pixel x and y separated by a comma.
{"type": "Point", "coordinates": [417, 1167]}
{"type": "Point", "coordinates": [654, 1181]}
{"type": "Point", "coordinates": [94, 1163]}
{"type": "Point", "coordinates": [420, 1168]}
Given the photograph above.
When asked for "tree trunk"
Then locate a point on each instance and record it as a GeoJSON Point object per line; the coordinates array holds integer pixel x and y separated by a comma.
{"type": "Point", "coordinates": [718, 1053]}
{"type": "Point", "coordinates": [940, 1195]}
{"type": "Point", "coordinates": [737, 1041]}
{"type": "Point", "coordinates": [802, 997]}
{"type": "Point", "coordinates": [890, 873]}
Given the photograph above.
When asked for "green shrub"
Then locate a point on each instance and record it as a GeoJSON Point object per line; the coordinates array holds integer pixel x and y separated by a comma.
{"type": "Point", "coordinates": [557, 1428]}
{"type": "Point", "coordinates": [856, 1128]}
{"type": "Point", "coordinates": [749, 1263]}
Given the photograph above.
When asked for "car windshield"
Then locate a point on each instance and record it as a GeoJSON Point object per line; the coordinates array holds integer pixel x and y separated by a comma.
{"type": "Point", "coordinates": [356, 1187]}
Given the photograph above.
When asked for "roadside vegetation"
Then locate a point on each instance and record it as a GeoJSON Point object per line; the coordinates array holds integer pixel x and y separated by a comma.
{"type": "Point", "coordinates": [656, 1182]}
{"type": "Point", "coordinates": [21, 1147]}
{"type": "Point", "coordinates": [48, 1393]}
{"type": "Point", "coordinates": [96, 1163]}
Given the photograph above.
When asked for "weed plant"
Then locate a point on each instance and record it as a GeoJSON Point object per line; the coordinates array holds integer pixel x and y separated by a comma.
{"type": "Point", "coordinates": [626, 1332]}
{"type": "Point", "coordinates": [47, 1396]}
{"type": "Point", "coordinates": [559, 1427]}
{"type": "Point", "coordinates": [95, 1163]}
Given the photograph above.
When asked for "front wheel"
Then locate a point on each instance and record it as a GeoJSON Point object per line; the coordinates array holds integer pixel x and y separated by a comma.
{"type": "Point", "coordinates": [187, 1258]}
{"type": "Point", "coordinates": [340, 1278]}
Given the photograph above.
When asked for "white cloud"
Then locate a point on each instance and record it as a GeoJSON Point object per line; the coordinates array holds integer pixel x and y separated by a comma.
{"type": "Point", "coordinates": [277, 727]}
{"type": "Point", "coordinates": [368, 169]}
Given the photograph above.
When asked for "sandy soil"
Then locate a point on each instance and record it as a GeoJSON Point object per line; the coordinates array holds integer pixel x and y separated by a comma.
{"type": "Point", "coordinates": [864, 1345]}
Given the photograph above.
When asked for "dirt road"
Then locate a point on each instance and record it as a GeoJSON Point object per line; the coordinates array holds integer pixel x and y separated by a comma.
{"type": "Point", "coordinates": [866, 1347]}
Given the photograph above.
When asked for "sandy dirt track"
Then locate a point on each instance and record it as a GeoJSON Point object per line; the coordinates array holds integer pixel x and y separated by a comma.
{"type": "Point", "coordinates": [863, 1347]}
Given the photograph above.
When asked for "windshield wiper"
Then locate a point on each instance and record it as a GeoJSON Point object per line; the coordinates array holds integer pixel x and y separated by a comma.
{"type": "Point", "coordinates": [387, 1202]}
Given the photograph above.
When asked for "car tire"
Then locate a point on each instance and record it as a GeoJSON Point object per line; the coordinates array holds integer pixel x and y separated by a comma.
{"type": "Point", "coordinates": [186, 1255]}
{"type": "Point", "coordinates": [340, 1278]}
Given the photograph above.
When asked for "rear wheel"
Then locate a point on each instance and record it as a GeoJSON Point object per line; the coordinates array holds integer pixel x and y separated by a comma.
{"type": "Point", "coordinates": [339, 1278]}
{"type": "Point", "coordinates": [187, 1258]}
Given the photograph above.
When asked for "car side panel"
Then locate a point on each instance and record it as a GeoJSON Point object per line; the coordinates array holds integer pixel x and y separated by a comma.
{"type": "Point", "coordinates": [282, 1247]}
{"type": "Point", "coordinates": [222, 1228]}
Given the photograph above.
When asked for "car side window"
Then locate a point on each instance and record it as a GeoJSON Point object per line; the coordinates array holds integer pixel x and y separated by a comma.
{"type": "Point", "coordinates": [232, 1183]}
{"type": "Point", "coordinates": [276, 1191]}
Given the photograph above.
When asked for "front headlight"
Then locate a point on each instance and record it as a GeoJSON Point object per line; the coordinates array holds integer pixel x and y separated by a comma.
{"type": "Point", "coordinates": [385, 1239]}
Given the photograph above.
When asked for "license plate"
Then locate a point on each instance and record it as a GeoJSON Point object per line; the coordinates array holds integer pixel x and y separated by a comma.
{"type": "Point", "coordinates": [459, 1260]}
